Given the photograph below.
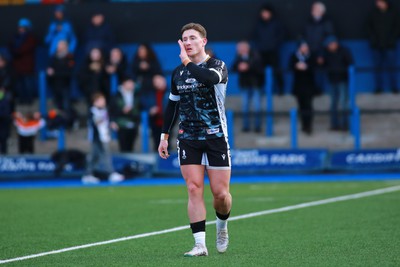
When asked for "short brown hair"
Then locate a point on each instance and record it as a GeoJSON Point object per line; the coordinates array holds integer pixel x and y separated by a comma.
{"type": "Point", "coordinates": [195, 26]}
{"type": "Point", "coordinates": [97, 95]}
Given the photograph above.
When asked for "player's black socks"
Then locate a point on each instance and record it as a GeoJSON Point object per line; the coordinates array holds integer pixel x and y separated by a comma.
{"type": "Point", "coordinates": [222, 216]}
{"type": "Point", "coordinates": [198, 226]}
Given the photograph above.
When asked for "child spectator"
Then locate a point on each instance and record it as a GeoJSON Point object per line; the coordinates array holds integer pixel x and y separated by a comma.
{"type": "Point", "coordinates": [302, 64]}
{"type": "Point", "coordinates": [336, 60]}
{"type": "Point", "coordinates": [125, 114]}
{"type": "Point", "coordinates": [60, 74]}
{"type": "Point", "coordinates": [249, 65]}
{"type": "Point", "coordinates": [27, 128]}
{"type": "Point", "coordinates": [99, 135]}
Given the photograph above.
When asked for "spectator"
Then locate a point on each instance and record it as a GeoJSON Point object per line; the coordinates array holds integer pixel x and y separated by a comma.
{"type": "Point", "coordinates": [249, 65]}
{"type": "Point", "coordinates": [22, 49]}
{"type": "Point", "coordinates": [302, 63]}
{"type": "Point", "coordinates": [92, 76]}
{"type": "Point", "coordinates": [98, 34]}
{"type": "Point", "coordinates": [60, 29]}
{"type": "Point", "coordinates": [60, 74]}
{"type": "Point", "coordinates": [5, 74]}
{"type": "Point", "coordinates": [145, 66]}
{"type": "Point", "coordinates": [116, 64]}
{"type": "Point", "coordinates": [6, 109]}
{"type": "Point", "coordinates": [336, 60]}
{"type": "Point", "coordinates": [318, 28]}
{"type": "Point", "coordinates": [268, 38]}
{"type": "Point", "coordinates": [156, 112]}
{"type": "Point", "coordinates": [125, 113]}
{"type": "Point", "coordinates": [100, 154]}
{"type": "Point", "coordinates": [383, 30]}
{"type": "Point", "coordinates": [27, 129]}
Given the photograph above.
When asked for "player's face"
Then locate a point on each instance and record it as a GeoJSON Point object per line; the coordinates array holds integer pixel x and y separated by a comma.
{"type": "Point", "coordinates": [193, 42]}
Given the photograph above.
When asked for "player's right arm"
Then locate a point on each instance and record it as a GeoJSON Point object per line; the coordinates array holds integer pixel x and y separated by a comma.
{"type": "Point", "coordinates": [170, 115]}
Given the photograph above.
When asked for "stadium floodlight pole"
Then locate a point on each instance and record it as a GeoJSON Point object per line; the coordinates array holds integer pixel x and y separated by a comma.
{"type": "Point", "coordinates": [269, 96]}
{"type": "Point", "coordinates": [43, 101]}
{"type": "Point", "coordinates": [293, 128]}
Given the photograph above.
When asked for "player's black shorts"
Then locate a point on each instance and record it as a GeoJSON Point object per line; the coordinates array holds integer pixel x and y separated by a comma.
{"type": "Point", "coordinates": [213, 153]}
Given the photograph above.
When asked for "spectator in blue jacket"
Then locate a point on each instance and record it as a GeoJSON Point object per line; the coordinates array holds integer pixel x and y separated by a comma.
{"type": "Point", "coordinates": [99, 34]}
{"type": "Point", "coordinates": [60, 29]}
{"type": "Point", "coordinates": [267, 38]}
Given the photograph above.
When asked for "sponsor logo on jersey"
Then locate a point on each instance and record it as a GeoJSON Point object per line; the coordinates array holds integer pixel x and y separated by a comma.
{"type": "Point", "coordinates": [223, 156]}
{"type": "Point", "coordinates": [180, 131]}
{"type": "Point", "coordinates": [181, 72]}
{"type": "Point", "coordinates": [183, 154]}
{"type": "Point", "coordinates": [190, 80]}
{"type": "Point", "coordinates": [213, 131]}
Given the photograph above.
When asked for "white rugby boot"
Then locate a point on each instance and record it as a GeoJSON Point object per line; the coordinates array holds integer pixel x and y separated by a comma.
{"type": "Point", "coordinates": [197, 250]}
{"type": "Point", "coordinates": [222, 240]}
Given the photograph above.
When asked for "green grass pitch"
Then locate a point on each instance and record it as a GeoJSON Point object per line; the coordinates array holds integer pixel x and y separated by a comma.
{"type": "Point", "coordinates": [360, 232]}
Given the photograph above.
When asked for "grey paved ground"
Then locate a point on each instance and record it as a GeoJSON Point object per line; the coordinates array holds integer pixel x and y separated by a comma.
{"type": "Point", "coordinates": [379, 130]}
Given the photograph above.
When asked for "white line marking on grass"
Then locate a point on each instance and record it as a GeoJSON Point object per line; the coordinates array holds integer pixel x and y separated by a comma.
{"type": "Point", "coordinates": [234, 218]}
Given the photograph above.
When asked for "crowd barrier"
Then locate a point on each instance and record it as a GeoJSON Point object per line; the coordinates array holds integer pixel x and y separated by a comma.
{"type": "Point", "coordinates": [244, 161]}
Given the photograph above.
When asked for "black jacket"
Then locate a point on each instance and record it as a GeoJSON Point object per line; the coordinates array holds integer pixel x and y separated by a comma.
{"type": "Point", "coordinates": [63, 68]}
{"type": "Point", "coordinates": [254, 77]}
{"type": "Point", "coordinates": [384, 28]}
{"type": "Point", "coordinates": [316, 32]}
{"type": "Point", "coordinates": [268, 36]}
{"type": "Point", "coordinates": [336, 64]}
{"type": "Point", "coordinates": [303, 80]}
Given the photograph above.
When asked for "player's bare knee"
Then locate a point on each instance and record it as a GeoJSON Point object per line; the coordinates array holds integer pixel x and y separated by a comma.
{"type": "Point", "coordinates": [194, 189]}
{"type": "Point", "coordinates": [221, 196]}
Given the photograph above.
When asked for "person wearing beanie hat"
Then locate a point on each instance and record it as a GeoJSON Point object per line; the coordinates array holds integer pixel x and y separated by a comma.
{"type": "Point", "coordinates": [24, 23]}
{"type": "Point", "coordinates": [23, 52]}
{"type": "Point", "coordinates": [336, 61]}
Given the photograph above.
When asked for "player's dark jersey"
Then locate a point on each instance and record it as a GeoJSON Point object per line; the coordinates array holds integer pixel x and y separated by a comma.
{"type": "Point", "coordinates": [201, 106]}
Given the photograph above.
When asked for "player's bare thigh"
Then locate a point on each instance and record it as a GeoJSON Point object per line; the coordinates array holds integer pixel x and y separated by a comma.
{"type": "Point", "coordinates": [219, 181]}
{"type": "Point", "coordinates": [194, 176]}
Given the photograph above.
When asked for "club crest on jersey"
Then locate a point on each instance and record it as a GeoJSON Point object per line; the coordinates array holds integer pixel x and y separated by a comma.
{"type": "Point", "coordinates": [180, 131]}
{"type": "Point", "coordinates": [191, 80]}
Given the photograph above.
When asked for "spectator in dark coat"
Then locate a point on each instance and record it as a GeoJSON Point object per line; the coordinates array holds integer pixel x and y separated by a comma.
{"type": "Point", "coordinates": [92, 76]}
{"type": "Point", "coordinates": [248, 64]}
{"type": "Point", "coordinates": [336, 60]}
{"type": "Point", "coordinates": [145, 66]}
{"type": "Point", "coordinates": [125, 114]}
{"type": "Point", "coordinates": [116, 65]}
{"type": "Point", "coordinates": [99, 34]}
{"type": "Point", "coordinates": [317, 29]}
{"type": "Point", "coordinates": [268, 37]}
{"type": "Point", "coordinates": [156, 112]}
{"type": "Point", "coordinates": [59, 74]}
{"type": "Point", "coordinates": [302, 63]}
{"type": "Point", "coordinates": [22, 49]}
{"type": "Point", "coordinates": [383, 30]}
{"type": "Point", "coordinates": [6, 110]}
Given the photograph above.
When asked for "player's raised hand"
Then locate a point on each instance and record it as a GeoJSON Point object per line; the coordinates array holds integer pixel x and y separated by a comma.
{"type": "Point", "coordinates": [183, 55]}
